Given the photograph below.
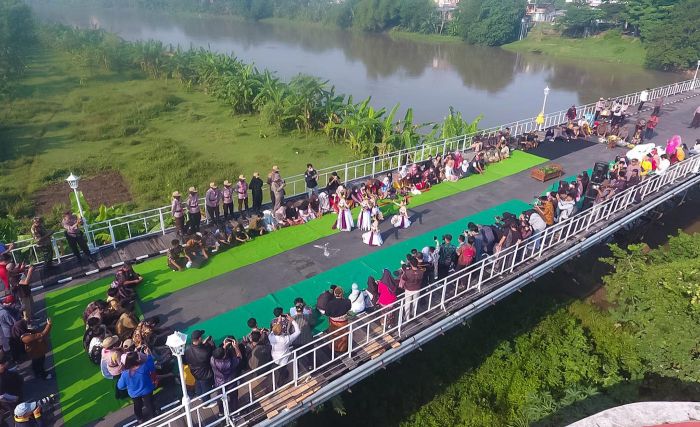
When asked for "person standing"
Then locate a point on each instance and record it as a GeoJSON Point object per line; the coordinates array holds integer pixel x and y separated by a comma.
{"type": "Point", "coordinates": [658, 103]}
{"type": "Point", "coordinates": [270, 178]}
{"type": "Point", "coordinates": [311, 178]}
{"type": "Point", "coordinates": [447, 256]}
{"type": "Point", "coordinates": [225, 364]}
{"type": "Point", "coordinates": [36, 347]}
{"type": "Point", "coordinates": [695, 123]}
{"type": "Point", "coordinates": [571, 113]}
{"type": "Point", "coordinates": [651, 125]}
{"type": "Point", "coordinates": [212, 200]}
{"type": "Point", "coordinates": [242, 192]}
{"type": "Point", "coordinates": [178, 213]}
{"type": "Point", "coordinates": [599, 106]}
{"type": "Point", "coordinates": [198, 356]}
{"type": "Point", "coordinates": [413, 280]}
{"type": "Point", "coordinates": [256, 185]}
{"type": "Point", "coordinates": [643, 97]}
{"type": "Point", "coordinates": [227, 198]}
{"type": "Point", "coordinates": [24, 290]}
{"type": "Point", "coordinates": [42, 240]}
{"type": "Point", "coordinates": [194, 214]}
{"type": "Point", "coordinates": [136, 380]}
{"type": "Point", "coordinates": [337, 311]}
{"type": "Point", "coordinates": [277, 187]}
{"type": "Point", "coordinates": [75, 236]}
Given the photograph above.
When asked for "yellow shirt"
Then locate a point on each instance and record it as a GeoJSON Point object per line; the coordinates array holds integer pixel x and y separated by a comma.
{"type": "Point", "coordinates": [680, 154]}
{"type": "Point", "coordinates": [646, 167]}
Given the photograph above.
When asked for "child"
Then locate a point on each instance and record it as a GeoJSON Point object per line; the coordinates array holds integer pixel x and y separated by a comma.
{"type": "Point", "coordinates": [401, 219]}
{"type": "Point", "coordinates": [364, 218]}
{"type": "Point", "coordinates": [373, 237]}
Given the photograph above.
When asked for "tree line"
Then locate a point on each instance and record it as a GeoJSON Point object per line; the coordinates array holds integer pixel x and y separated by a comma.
{"type": "Point", "coordinates": [667, 28]}
{"type": "Point", "coordinates": [16, 36]}
{"type": "Point", "coordinates": [304, 103]}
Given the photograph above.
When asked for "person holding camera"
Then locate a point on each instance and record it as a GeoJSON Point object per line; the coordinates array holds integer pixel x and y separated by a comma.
{"type": "Point", "coordinates": [198, 357]}
{"type": "Point", "coordinates": [225, 364]}
{"type": "Point", "coordinates": [281, 342]}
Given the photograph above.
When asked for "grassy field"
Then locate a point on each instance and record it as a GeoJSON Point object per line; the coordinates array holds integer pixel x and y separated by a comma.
{"type": "Point", "coordinates": [606, 47]}
{"type": "Point", "coordinates": [156, 133]}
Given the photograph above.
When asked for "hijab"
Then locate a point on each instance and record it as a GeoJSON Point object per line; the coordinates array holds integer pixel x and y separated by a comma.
{"type": "Point", "coordinates": [372, 286]}
{"type": "Point", "coordinates": [388, 280]}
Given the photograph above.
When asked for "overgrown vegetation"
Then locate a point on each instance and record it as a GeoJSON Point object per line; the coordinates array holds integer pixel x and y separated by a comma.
{"type": "Point", "coordinates": [667, 28]}
{"type": "Point", "coordinates": [539, 360]}
{"type": "Point", "coordinates": [16, 36]}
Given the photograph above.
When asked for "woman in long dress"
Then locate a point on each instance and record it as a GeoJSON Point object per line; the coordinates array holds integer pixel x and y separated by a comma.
{"type": "Point", "coordinates": [345, 222]}
{"type": "Point", "coordinates": [374, 209]}
{"type": "Point", "coordinates": [401, 219]}
{"type": "Point", "coordinates": [373, 237]}
{"type": "Point", "coordinates": [364, 218]}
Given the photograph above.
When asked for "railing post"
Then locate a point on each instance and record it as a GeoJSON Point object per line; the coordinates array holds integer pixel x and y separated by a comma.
{"type": "Point", "coordinates": [55, 250]}
{"type": "Point", "coordinates": [162, 220]}
{"type": "Point", "coordinates": [401, 308]}
{"type": "Point", "coordinates": [350, 343]}
{"type": "Point", "coordinates": [111, 234]}
{"type": "Point", "coordinates": [374, 166]}
{"type": "Point", "coordinates": [295, 368]}
{"type": "Point", "coordinates": [346, 174]}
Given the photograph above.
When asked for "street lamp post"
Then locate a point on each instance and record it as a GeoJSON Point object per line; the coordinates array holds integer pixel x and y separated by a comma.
{"type": "Point", "coordinates": [544, 103]}
{"type": "Point", "coordinates": [72, 181]}
{"type": "Point", "coordinates": [176, 342]}
{"type": "Point", "coordinates": [540, 117]}
{"type": "Point", "coordinates": [695, 77]}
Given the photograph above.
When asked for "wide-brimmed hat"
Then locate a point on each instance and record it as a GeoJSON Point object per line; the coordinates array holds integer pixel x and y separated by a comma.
{"type": "Point", "coordinates": [276, 168]}
{"type": "Point", "coordinates": [241, 177]}
{"type": "Point", "coordinates": [192, 189]}
{"type": "Point", "coordinates": [227, 183]}
{"type": "Point", "coordinates": [212, 184]}
{"type": "Point", "coordinates": [24, 408]}
{"type": "Point", "coordinates": [109, 342]}
{"type": "Point", "coordinates": [127, 343]}
{"type": "Point", "coordinates": [176, 193]}
{"type": "Point", "coordinates": [256, 174]}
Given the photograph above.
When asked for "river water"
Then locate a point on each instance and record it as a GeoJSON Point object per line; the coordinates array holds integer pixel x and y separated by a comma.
{"type": "Point", "coordinates": [430, 77]}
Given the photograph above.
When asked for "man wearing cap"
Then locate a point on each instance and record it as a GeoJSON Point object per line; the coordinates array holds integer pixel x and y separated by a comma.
{"type": "Point", "coordinates": [277, 185]}
{"type": "Point", "coordinates": [178, 213]}
{"type": "Point", "coordinates": [256, 185]}
{"type": "Point", "coordinates": [74, 235]}
{"type": "Point", "coordinates": [212, 200]}
{"type": "Point", "coordinates": [242, 191]}
{"type": "Point", "coordinates": [42, 240]}
{"type": "Point", "coordinates": [28, 414]}
{"type": "Point", "coordinates": [198, 356]}
{"type": "Point", "coordinates": [194, 214]}
{"type": "Point", "coordinates": [227, 199]}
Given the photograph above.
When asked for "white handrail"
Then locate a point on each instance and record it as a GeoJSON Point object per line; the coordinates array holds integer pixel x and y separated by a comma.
{"type": "Point", "coordinates": [463, 284]}
{"type": "Point", "coordinates": [350, 171]}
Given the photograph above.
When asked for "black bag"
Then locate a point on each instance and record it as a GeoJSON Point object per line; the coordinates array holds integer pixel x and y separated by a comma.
{"type": "Point", "coordinates": [95, 354]}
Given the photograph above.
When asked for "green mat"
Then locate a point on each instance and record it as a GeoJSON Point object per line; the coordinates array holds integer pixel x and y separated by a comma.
{"type": "Point", "coordinates": [233, 322]}
{"type": "Point", "coordinates": [86, 396]}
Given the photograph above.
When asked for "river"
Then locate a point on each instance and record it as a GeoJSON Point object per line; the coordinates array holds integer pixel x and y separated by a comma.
{"type": "Point", "coordinates": [428, 76]}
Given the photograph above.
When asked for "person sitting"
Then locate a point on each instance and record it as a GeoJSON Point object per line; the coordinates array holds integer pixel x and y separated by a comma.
{"type": "Point", "coordinates": [240, 234]}
{"type": "Point", "coordinates": [475, 165]}
{"type": "Point", "coordinates": [126, 276]}
{"type": "Point", "coordinates": [210, 242]}
{"type": "Point", "coordinates": [291, 213]}
{"type": "Point", "coordinates": [223, 235]}
{"type": "Point", "coordinates": [358, 299]}
{"type": "Point", "coordinates": [178, 258]}
{"type": "Point", "coordinates": [94, 333]}
{"type": "Point", "coordinates": [195, 246]}
{"type": "Point", "coordinates": [307, 213]}
{"type": "Point", "coordinates": [255, 226]}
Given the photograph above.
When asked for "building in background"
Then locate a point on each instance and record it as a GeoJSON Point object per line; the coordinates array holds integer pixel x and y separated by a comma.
{"type": "Point", "coordinates": [540, 11]}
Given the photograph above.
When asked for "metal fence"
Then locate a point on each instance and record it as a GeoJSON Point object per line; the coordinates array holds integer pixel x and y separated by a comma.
{"type": "Point", "coordinates": [158, 221]}
{"type": "Point", "coordinates": [305, 363]}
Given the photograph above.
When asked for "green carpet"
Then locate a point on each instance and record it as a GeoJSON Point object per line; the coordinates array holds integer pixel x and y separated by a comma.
{"type": "Point", "coordinates": [233, 322]}
{"type": "Point", "coordinates": [86, 396]}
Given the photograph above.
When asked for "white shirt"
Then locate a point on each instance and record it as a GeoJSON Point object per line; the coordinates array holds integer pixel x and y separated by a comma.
{"type": "Point", "coordinates": [566, 208]}
{"type": "Point", "coordinates": [281, 343]}
{"type": "Point", "coordinates": [536, 222]}
{"type": "Point", "coordinates": [357, 299]}
{"type": "Point", "coordinates": [644, 96]}
{"type": "Point", "coordinates": [663, 165]}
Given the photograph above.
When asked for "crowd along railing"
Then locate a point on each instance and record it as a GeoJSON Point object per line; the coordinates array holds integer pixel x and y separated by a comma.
{"type": "Point", "coordinates": [304, 363]}
{"type": "Point", "coordinates": [158, 221]}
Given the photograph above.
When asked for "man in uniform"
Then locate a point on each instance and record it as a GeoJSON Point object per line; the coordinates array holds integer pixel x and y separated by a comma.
{"type": "Point", "coordinates": [255, 186]}
{"type": "Point", "coordinates": [277, 185]}
{"type": "Point", "coordinates": [178, 213]}
{"type": "Point", "coordinates": [212, 200]}
{"type": "Point", "coordinates": [42, 239]}
{"type": "Point", "coordinates": [194, 214]}
{"type": "Point", "coordinates": [242, 192]}
{"type": "Point", "coordinates": [75, 236]}
{"type": "Point", "coordinates": [227, 198]}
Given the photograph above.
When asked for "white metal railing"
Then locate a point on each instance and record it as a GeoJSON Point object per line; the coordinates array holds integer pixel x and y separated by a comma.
{"type": "Point", "coordinates": [252, 388]}
{"type": "Point", "coordinates": [157, 221]}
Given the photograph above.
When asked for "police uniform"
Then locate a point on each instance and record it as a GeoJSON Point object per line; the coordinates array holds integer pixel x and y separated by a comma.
{"type": "Point", "coordinates": [242, 192]}
{"type": "Point", "coordinates": [227, 199]}
{"type": "Point", "coordinates": [75, 236]}
{"type": "Point", "coordinates": [178, 213]}
{"type": "Point", "coordinates": [212, 199]}
{"type": "Point", "coordinates": [194, 215]}
{"type": "Point", "coordinates": [42, 239]}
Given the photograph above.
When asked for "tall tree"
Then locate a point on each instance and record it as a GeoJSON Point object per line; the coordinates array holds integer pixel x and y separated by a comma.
{"type": "Point", "coordinates": [674, 42]}
{"type": "Point", "coordinates": [489, 22]}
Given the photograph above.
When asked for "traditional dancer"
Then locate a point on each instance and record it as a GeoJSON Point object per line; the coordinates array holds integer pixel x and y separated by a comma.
{"type": "Point", "coordinates": [373, 237]}
{"type": "Point", "coordinates": [344, 222]}
{"type": "Point", "coordinates": [364, 218]}
{"type": "Point", "coordinates": [375, 211]}
{"type": "Point", "coordinates": [401, 220]}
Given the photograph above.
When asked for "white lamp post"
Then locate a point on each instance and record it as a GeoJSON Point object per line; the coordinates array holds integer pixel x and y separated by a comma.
{"type": "Point", "coordinates": [695, 77]}
{"type": "Point", "coordinates": [176, 341]}
{"type": "Point", "coordinates": [544, 103]}
{"type": "Point", "coordinates": [72, 181]}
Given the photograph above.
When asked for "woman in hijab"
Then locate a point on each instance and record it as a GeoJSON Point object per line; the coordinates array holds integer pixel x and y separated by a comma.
{"type": "Point", "coordinates": [373, 289]}
{"type": "Point", "coordinates": [387, 293]}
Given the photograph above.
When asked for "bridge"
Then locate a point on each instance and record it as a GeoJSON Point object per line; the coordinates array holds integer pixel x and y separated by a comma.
{"type": "Point", "coordinates": [379, 338]}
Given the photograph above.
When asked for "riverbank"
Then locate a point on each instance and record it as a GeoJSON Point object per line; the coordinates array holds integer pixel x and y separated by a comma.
{"type": "Point", "coordinates": [611, 46]}
{"type": "Point", "coordinates": [156, 134]}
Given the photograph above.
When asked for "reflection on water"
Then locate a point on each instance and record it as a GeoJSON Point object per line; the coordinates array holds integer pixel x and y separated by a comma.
{"type": "Point", "coordinates": [429, 77]}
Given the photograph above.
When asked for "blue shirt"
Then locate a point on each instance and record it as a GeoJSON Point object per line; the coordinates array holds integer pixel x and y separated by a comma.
{"type": "Point", "coordinates": [138, 382]}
